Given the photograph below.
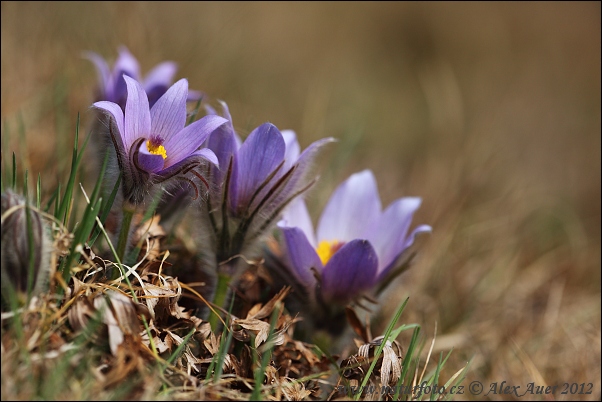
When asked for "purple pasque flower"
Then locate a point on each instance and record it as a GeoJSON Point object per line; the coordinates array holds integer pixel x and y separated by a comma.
{"type": "Point", "coordinates": [153, 145]}
{"type": "Point", "coordinates": [112, 86]}
{"type": "Point", "coordinates": [256, 179]}
{"type": "Point", "coordinates": [356, 245]}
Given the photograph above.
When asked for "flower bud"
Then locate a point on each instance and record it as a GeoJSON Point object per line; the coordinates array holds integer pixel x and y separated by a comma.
{"type": "Point", "coordinates": [21, 268]}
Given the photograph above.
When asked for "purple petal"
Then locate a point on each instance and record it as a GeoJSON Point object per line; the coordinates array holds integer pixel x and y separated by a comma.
{"type": "Point", "coordinates": [223, 143]}
{"type": "Point", "coordinates": [388, 233]}
{"type": "Point", "coordinates": [408, 242]}
{"type": "Point", "coordinates": [354, 206]}
{"type": "Point", "coordinates": [190, 138]}
{"type": "Point", "coordinates": [300, 178]}
{"type": "Point", "coordinates": [207, 154]}
{"type": "Point", "coordinates": [196, 158]}
{"type": "Point", "coordinates": [227, 115]}
{"type": "Point", "coordinates": [296, 215]}
{"type": "Point", "coordinates": [194, 95]}
{"type": "Point", "coordinates": [292, 148]}
{"type": "Point", "coordinates": [210, 110]}
{"type": "Point", "coordinates": [126, 64]}
{"type": "Point", "coordinates": [158, 80]}
{"type": "Point", "coordinates": [137, 114]}
{"type": "Point", "coordinates": [149, 162]}
{"type": "Point", "coordinates": [301, 255]}
{"type": "Point", "coordinates": [306, 159]}
{"type": "Point", "coordinates": [168, 115]}
{"type": "Point", "coordinates": [415, 232]}
{"type": "Point", "coordinates": [155, 93]}
{"type": "Point", "coordinates": [104, 75]}
{"type": "Point", "coordinates": [230, 125]}
{"type": "Point", "coordinates": [161, 75]}
{"type": "Point", "coordinates": [350, 271]}
{"type": "Point", "coordinates": [258, 156]}
{"type": "Point", "coordinates": [115, 112]}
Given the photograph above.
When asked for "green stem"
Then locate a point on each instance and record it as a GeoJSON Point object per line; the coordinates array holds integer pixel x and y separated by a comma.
{"type": "Point", "coordinates": [124, 234]}
{"type": "Point", "coordinates": [219, 298]}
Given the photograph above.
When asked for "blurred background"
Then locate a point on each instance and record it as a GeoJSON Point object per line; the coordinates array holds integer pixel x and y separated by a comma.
{"type": "Point", "coordinates": [488, 111]}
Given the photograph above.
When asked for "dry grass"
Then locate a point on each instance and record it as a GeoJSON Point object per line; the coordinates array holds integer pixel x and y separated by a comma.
{"type": "Point", "coordinates": [490, 112]}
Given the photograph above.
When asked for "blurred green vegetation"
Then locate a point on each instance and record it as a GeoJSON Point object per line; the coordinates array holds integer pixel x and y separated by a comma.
{"type": "Point", "coordinates": [488, 111]}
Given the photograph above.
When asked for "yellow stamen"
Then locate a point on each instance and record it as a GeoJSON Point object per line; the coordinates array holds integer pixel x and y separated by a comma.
{"type": "Point", "coordinates": [156, 149]}
{"type": "Point", "coordinates": [326, 249]}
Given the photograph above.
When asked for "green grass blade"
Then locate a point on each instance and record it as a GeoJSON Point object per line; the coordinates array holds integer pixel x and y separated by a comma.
{"type": "Point", "coordinates": [77, 156]}
{"type": "Point", "coordinates": [14, 172]}
{"type": "Point", "coordinates": [435, 378]}
{"type": "Point", "coordinates": [22, 141]}
{"type": "Point", "coordinates": [4, 139]}
{"type": "Point", "coordinates": [212, 365]}
{"type": "Point", "coordinates": [31, 266]}
{"type": "Point", "coordinates": [57, 200]}
{"type": "Point", "coordinates": [63, 205]}
{"type": "Point", "coordinates": [223, 351]}
{"type": "Point", "coordinates": [106, 209]}
{"type": "Point", "coordinates": [25, 186]}
{"type": "Point", "coordinates": [180, 348]}
{"type": "Point", "coordinates": [52, 198]}
{"type": "Point", "coordinates": [39, 192]}
{"type": "Point", "coordinates": [431, 373]}
{"type": "Point", "coordinates": [195, 112]}
{"type": "Point", "coordinates": [267, 355]}
{"type": "Point", "coordinates": [406, 366]}
{"type": "Point", "coordinates": [457, 379]}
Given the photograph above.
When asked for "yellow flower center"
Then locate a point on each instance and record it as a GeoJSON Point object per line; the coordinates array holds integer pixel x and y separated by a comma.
{"type": "Point", "coordinates": [156, 149]}
{"type": "Point", "coordinates": [327, 248]}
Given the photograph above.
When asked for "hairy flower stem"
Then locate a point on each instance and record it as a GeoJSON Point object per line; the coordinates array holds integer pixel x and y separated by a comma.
{"type": "Point", "coordinates": [124, 234]}
{"type": "Point", "coordinates": [219, 298]}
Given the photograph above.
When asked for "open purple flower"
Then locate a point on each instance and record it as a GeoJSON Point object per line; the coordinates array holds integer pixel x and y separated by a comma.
{"type": "Point", "coordinates": [112, 86]}
{"type": "Point", "coordinates": [152, 144]}
{"type": "Point", "coordinates": [356, 245]}
{"type": "Point", "coordinates": [256, 179]}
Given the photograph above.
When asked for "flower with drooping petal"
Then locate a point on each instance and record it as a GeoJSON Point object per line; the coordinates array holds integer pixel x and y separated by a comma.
{"type": "Point", "coordinates": [153, 145]}
{"type": "Point", "coordinates": [256, 179]}
{"type": "Point", "coordinates": [112, 86]}
{"type": "Point", "coordinates": [356, 245]}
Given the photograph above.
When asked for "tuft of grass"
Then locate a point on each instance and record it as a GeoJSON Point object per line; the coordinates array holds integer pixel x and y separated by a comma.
{"type": "Point", "coordinates": [84, 228]}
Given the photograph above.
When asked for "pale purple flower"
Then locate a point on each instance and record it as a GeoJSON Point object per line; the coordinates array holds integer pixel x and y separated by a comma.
{"type": "Point", "coordinates": [152, 144]}
{"type": "Point", "coordinates": [256, 179]}
{"type": "Point", "coordinates": [112, 86]}
{"type": "Point", "coordinates": [356, 245]}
